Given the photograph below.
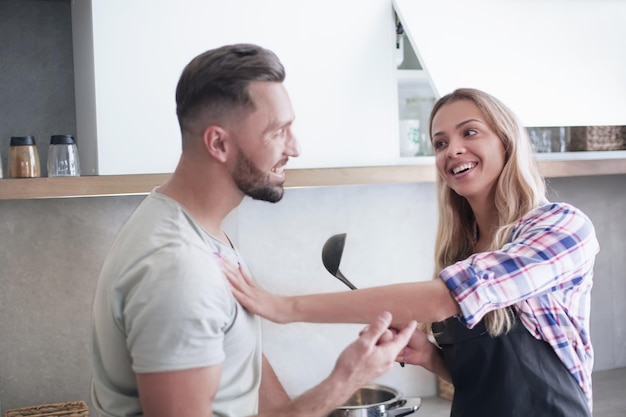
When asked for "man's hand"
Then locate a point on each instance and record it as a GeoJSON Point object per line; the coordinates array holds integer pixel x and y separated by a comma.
{"type": "Point", "coordinates": [368, 357]}
{"type": "Point", "coordinates": [374, 352]}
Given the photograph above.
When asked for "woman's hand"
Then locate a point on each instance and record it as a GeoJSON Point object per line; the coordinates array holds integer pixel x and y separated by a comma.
{"type": "Point", "coordinates": [421, 351]}
{"type": "Point", "coordinates": [418, 350]}
{"type": "Point", "coordinates": [254, 298]}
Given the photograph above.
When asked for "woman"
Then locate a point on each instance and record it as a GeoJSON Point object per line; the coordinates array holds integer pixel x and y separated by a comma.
{"type": "Point", "coordinates": [509, 305]}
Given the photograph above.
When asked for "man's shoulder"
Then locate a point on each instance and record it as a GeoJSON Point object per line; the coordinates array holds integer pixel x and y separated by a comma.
{"type": "Point", "coordinates": [158, 236]}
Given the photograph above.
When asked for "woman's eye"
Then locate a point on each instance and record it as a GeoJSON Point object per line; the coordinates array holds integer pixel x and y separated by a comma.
{"type": "Point", "coordinates": [438, 144]}
{"type": "Point", "coordinates": [470, 132]}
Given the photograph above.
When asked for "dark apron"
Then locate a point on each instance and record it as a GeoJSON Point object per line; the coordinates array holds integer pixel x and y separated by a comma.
{"type": "Point", "coordinates": [510, 375]}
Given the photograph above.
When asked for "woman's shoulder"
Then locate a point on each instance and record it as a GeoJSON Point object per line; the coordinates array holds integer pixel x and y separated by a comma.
{"type": "Point", "coordinates": [556, 216]}
{"type": "Point", "coordinates": [561, 209]}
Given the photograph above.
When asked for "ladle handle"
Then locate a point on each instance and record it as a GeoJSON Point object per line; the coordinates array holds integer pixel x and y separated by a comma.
{"type": "Point", "coordinates": [343, 279]}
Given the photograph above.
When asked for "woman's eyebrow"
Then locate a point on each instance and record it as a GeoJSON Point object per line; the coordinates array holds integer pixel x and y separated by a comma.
{"type": "Point", "coordinates": [458, 126]}
{"type": "Point", "coordinates": [468, 121]}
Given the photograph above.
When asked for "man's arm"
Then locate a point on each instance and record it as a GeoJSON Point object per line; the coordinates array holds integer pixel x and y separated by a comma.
{"type": "Point", "coordinates": [271, 393]}
{"type": "Point", "coordinates": [188, 393]}
{"type": "Point", "coordinates": [371, 355]}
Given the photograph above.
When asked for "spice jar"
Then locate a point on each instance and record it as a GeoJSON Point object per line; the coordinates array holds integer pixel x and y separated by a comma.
{"type": "Point", "coordinates": [63, 157]}
{"type": "Point", "coordinates": [23, 158]}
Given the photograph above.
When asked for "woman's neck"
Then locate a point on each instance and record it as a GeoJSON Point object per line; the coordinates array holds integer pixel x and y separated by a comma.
{"type": "Point", "coordinates": [486, 217]}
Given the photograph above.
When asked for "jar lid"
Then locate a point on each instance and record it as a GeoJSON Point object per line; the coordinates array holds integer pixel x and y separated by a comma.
{"type": "Point", "coordinates": [62, 140]}
{"type": "Point", "coordinates": [28, 140]}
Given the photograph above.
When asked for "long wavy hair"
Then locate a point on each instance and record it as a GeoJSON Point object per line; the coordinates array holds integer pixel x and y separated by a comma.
{"type": "Point", "coordinates": [519, 189]}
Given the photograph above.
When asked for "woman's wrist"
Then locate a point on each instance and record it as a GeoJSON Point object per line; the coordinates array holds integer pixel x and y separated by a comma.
{"type": "Point", "coordinates": [434, 362]}
{"type": "Point", "coordinates": [285, 310]}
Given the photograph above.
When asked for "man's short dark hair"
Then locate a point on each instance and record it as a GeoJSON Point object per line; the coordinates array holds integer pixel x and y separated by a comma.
{"type": "Point", "coordinates": [217, 81]}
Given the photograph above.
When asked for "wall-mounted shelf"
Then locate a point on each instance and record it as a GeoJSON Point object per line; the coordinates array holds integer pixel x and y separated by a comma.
{"type": "Point", "coordinates": [416, 170]}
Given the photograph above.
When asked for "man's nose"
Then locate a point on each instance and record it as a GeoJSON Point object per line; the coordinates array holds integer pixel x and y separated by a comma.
{"type": "Point", "coordinates": [292, 146]}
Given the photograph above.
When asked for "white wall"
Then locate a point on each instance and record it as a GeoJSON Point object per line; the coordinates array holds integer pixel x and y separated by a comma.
{"type": "Point", "coordinates": [390, 232]}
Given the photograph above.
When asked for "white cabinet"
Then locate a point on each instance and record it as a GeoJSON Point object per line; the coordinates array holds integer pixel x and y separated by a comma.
{"type": "Point", "coordinates": [416, 98]}
{"type": "Point", "coordinates": [554, 62]}
{"type": "Point", "coordinates": [129, 55]}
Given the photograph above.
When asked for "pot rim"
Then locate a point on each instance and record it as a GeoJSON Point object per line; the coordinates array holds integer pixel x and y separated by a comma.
{"type": "Point", "coordinates": [397, 396]}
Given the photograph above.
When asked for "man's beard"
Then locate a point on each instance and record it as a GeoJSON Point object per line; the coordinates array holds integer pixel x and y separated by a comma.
{"type": "Point", "coordinates": [253, 182]}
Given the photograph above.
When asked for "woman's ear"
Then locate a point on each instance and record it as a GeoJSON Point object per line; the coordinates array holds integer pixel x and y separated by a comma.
{"type": "Point", "coordinates": [215, 141]}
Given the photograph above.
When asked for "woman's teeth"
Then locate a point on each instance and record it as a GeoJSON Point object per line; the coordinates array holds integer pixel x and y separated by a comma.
{"type": "Point", "coordinates": [462, 168]}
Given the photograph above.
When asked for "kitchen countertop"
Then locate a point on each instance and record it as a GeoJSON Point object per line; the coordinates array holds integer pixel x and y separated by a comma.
{"type": "Point", "coordinates": [434, 407]}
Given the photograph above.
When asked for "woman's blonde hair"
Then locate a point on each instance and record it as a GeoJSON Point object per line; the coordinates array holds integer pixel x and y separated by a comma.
{"type": "Point", "coordinates": [519, 189]}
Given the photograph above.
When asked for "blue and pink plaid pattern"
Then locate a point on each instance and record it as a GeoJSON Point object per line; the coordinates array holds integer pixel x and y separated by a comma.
{"type": "Point", "coordinates": [546, 273]}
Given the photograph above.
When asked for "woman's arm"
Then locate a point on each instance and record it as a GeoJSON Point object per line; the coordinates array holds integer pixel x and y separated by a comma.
{"type": "Point", "coordinates": [426, 301]}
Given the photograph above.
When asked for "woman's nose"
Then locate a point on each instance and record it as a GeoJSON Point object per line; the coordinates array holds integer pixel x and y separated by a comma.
{"type": "Point", "coordinates": [455, 147]}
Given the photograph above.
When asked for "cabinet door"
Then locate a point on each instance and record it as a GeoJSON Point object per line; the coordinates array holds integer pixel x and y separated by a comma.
{"type": "Point", "coordinates": [338, 57]}
{"type": "Point", "coordinates": [555, 63]}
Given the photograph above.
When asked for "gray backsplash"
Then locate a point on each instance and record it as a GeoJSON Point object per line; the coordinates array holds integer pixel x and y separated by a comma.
{"type": "Point", "coordinates": [36, 74]}
{"type": "Point", "coordinates": [51, 252]}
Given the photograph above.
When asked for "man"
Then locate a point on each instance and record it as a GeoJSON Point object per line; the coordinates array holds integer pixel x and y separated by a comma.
{"type": "Point", "coordinates": [169, 337]}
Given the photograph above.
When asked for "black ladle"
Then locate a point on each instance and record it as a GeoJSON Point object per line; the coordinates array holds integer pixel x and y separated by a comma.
{"type": "Point", "coordinates": [331, 257]}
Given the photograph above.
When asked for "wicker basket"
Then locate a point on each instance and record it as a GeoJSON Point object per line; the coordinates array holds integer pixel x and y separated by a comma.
{"type": "Point", "coordinates": [69, 409]}
{"type": "Point", "coordinates": [597, 138]}
{"type": "Point", "coordinates": [445, 389]}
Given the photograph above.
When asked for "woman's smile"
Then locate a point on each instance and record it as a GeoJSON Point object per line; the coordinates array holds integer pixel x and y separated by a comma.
{"type": "Point", "coordinates": [463, 168]}
{"type": "Point", "coordinates": [469, 155]}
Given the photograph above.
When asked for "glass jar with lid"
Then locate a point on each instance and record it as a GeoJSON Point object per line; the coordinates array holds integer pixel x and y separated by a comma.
{"type": "Point", "coordinates": [63, 157]}
{"type": "Point", "coordinates": [23, 157]}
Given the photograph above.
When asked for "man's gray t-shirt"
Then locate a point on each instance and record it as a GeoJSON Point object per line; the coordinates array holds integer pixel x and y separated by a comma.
{"type": "Point", "coordinates": [163, 304]}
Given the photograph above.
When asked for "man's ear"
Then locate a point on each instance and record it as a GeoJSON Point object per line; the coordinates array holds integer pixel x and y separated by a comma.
{"type": "Point", "coordinates": [215, 141]}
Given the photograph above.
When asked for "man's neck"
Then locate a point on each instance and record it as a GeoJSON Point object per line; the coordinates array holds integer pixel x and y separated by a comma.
{"type": "Point", "coordinates": [208, 202]}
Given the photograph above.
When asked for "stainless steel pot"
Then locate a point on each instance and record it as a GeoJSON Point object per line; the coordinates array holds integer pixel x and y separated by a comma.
{"type": "Point", "coordinates": [377, 401]}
